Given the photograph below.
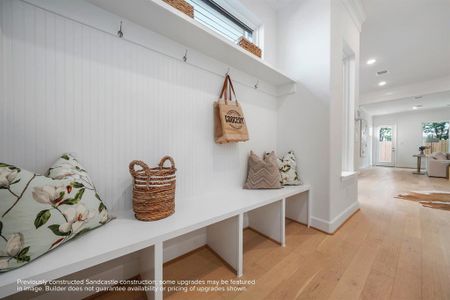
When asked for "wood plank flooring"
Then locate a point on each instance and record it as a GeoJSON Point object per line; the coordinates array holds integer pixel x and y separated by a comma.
{"type": "Point", "coordinates": [390, 249]}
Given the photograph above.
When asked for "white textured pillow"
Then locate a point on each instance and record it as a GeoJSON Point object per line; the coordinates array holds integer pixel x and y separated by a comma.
{"type": "Point", "coordinates": [39, 213]}
{"type": "Point", "coordinates": [288, 169]}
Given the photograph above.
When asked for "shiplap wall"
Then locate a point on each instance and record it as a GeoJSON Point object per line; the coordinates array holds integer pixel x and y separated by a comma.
{"type": "Point", "coordinates": [67, 87]}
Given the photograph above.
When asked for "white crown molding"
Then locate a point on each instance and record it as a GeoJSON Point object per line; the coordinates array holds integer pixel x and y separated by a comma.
{"type": "Point", "coordinates": [356, 11]}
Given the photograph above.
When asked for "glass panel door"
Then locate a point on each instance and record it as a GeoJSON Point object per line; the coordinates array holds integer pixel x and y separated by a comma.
{"type": "Point", "coordinates": [386, 145]}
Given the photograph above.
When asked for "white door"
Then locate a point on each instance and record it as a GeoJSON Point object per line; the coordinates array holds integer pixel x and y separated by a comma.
{"type": "Point", "coordinates": [386, 145]}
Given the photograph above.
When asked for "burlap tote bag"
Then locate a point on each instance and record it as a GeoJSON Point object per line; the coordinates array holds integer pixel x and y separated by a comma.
{"type": "Point", "coordinates": [229, 121]}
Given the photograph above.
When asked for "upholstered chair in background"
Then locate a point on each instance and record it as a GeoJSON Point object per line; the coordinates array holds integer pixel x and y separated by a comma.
{"type": "Point", "coordinates": [437, 164]}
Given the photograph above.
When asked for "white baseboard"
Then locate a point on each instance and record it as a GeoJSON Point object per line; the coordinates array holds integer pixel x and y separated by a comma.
{"type": "Point", "coordinates": [343, 216]}
{"type": "Point", "coordinates": [333, 225]}
{"type": "Point", "coordinates": [321, 224]}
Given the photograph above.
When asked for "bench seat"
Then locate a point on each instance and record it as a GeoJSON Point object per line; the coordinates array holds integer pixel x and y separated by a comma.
{"type": "Point", "coordinates": [125, 234]}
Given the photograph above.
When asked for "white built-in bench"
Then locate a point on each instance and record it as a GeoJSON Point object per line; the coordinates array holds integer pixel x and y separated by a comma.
{"type": "Point", "coordinates": [222, 213]}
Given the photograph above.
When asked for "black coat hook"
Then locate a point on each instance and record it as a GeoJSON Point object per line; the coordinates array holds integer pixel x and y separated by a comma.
{"type": "Point", "coordinates": [256, 84]}
{"type": "Point", "coordinates": [185, 56]}
{"type": "Point", "coordinates": [120, 33]}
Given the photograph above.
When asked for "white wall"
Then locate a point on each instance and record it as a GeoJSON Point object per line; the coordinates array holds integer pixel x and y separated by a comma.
{"type": "Point", "coordinates": [345, 35]}
{"type": "Point", "coordinates": [71, 87]}
{"type": "Point", "coordinates": [304, 38]}
{"type": "Point", "coordinates": [303, 122]}
{"type": "Point", "coordinates": [74, 88]}
{"type": "Point", "coordinates": [313, 34]}
{"type": "Point", "coordinates": [302, 127]}
{"type": "Point", "coordinates": [267, 17]}
{"type": "Point", "coordinates": [409, 132]}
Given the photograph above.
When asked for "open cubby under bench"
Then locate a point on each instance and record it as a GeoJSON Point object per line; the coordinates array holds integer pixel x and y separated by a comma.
{"type": "Point", "coordinates": [221, 213]}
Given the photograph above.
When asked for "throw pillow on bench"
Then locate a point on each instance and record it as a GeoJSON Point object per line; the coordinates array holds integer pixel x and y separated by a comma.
{"type": "Point", "coordinates": [263, 173]}
{"type": "Point", "coordinates": [288, 169]}
{"type": "Point", "coordinates": [39, 213]}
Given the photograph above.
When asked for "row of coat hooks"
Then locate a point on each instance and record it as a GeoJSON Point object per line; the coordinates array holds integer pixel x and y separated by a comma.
{"type": "Point", "coordinates": [185, 56]}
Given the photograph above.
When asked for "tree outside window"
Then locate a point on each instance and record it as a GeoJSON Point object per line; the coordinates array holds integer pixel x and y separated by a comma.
{"type": "Point", "coordinates": [385, 134]}
{"type": "Point", "coordinates": [435, 136]}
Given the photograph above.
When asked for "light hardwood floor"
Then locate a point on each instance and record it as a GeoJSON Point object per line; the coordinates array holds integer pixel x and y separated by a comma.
{"type": "Point", "coordinates": [390, 249]}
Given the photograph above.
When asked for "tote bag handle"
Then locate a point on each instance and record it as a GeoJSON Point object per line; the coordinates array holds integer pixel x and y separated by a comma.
{"type": "Point", "coordinates": [224, 92]}
{"type": "Point", "coordinates": [228, 90]}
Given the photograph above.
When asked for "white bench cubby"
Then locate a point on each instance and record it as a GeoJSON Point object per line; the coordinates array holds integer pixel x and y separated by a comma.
{"type": "Point", "coordinates": [221, 213]}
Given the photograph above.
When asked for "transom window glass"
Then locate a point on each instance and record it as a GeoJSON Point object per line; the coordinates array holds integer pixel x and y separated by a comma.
{"type": "Point", "coordinates": [212, 15]}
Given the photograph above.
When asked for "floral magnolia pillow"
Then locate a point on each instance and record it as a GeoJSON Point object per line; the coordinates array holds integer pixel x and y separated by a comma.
{"type": "Point", "coordinates": [288, 169]}
{"type": "Point", "coordinates": [39, 213]}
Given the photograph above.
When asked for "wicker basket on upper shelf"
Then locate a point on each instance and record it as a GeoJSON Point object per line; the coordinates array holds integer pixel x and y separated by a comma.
{"type": "Point", "coordinates": [182, 6]}
{"type": "Point", "coordinates": [249, 46]}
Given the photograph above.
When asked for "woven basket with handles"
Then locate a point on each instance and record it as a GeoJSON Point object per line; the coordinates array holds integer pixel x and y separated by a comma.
{"type": "Point", "coordinates": [153, 189]}
{"type": "Point", "coordinates": [249, 46]}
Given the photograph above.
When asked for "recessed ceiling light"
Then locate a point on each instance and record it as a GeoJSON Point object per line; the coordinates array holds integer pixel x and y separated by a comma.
{"type": "Point", "coordinates": [415, 107]}
{"type": "Point", "coordinates": [371, 61]}
{"type": "Point", "coordinates": [381, 83]}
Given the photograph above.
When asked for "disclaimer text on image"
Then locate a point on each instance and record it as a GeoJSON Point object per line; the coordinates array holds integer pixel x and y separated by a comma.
{"type": "Point", "coordinates": [112, 285]}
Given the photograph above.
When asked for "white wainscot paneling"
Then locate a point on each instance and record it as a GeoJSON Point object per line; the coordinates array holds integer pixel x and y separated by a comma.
{"type": "Point", "coordinates": [68, 87]}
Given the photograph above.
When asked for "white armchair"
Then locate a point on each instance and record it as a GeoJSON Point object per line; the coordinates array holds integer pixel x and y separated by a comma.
{"type": "Point", "coordinates": [437, 164]}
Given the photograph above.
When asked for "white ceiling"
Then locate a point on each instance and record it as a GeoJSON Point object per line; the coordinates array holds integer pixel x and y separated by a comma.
{"type": "Point", "coordinates": [276, 4]}
{"type": "Point", "coordinates": [432, 101]}
{"type": "Point", "coordinates": [409, 38]}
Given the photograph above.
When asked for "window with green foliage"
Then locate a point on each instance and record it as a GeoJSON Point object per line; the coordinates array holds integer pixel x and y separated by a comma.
{"type": "Point", "coordinates": [385, 134]}
{"type": "Point", "coordinates": [435, 136]}
{"type": "Point", "coordinates": [436, 130]}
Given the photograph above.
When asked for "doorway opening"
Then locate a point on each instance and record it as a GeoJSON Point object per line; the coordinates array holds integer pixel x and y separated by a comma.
{"type": "Point", "coordinates": [386, 146]}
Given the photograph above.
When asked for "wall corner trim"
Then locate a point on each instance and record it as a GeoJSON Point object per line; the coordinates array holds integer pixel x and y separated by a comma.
{"type": "Point", "coordinates": [356, 11]}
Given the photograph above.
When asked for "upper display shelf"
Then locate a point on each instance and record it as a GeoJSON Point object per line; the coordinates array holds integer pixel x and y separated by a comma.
{"type": "Point", "coordinates": [168, 21]}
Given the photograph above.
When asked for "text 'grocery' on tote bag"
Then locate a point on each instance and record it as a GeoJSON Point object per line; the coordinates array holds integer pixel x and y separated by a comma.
{"type": "Point", "coordinates": [229, 121]}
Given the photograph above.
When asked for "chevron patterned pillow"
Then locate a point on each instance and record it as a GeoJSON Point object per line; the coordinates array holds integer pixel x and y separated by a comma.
{"type": "Point", "coordinates": [263, 173]}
